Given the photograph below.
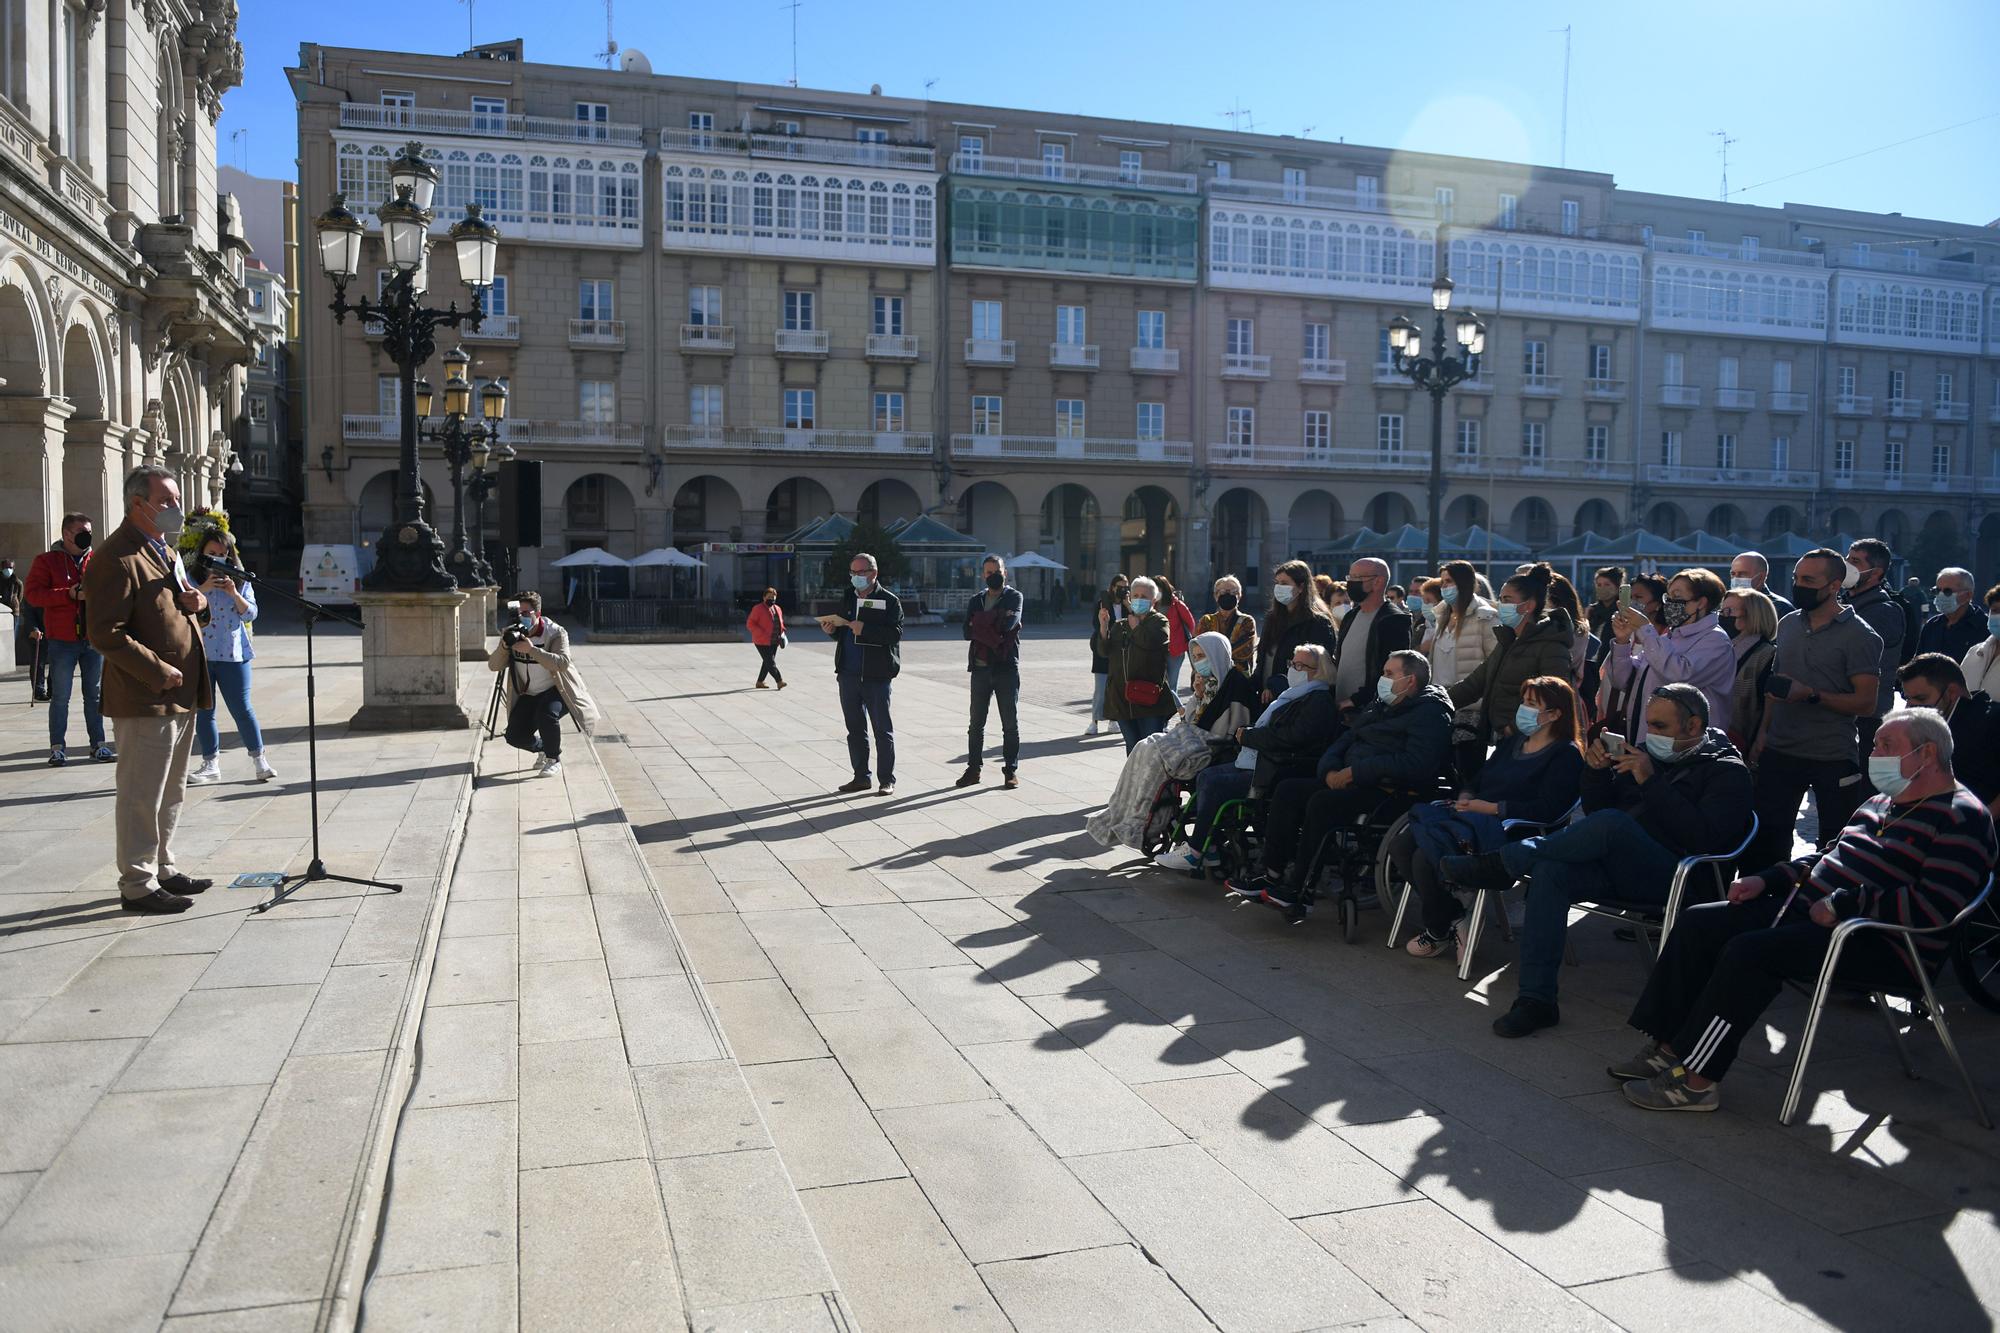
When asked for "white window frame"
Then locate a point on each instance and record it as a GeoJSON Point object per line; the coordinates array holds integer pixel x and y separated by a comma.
{"type": "Point", "coordinates": [1318, 341]}
{"type": "Point", "coordinates": [258, 409]}
{"type": "Point", "coordinates": [1389, 435]}
{"type": "Point", "coordinates": [1316, 431]}
{"type": "Point", "coordinates": [597, 402]}
{"type": "Point", "coordinates": [1673, 368]}
{"type": "Point", "coordinates": [887, 316]}
{"type": "Point", "coordinates": [1534, 442]}
{"type": "Point", "coordinates": [1131, 164]}
{"type": "Point", "coordinates": [1368, 193]}
{"type": "Point", "coordinates": [400, 104]}
{"type": "Point", "coordinates": [989, 320]}
{"type": "Point", "coordinates": [1240, 337]}
{"type": "Point", "coordinates": [1447, 200]}
{"type": "Point", "coordinates": [801, 310]}
{"type": "Point", "coordinates": [1748, 247]}
{"type": "Point", "coordinates": [1466, 439]}
{"type": "Point", "coordinates": [1295, 185]}
{"type": "Point", "coordinates": [1781, 375]}
{"type": "Point", "coordinates": [801, 408]}
{"type": "Point", "coordinates": [705, 406]}
{"type": "Point", "coordinates": [971, 150]}
{"type": "Point", "coordinates": [1240, 426]}
{"type": "Point", "coordinates": [1597, 444]}
{"type": "Point", "coordinates": [704, 305]}
{"type": "Point", "coordinates": [595, 299]}
{"type": "Point", "coordinates": [1572, 217]}
{"type": "Point", "coordinates": [388, 395]}
{"type": "Point", "coordinates": [1781, 453]}
{"type": "Point", "coordinates": [890, 416]}
{"type": "Point", "coordinates": [1510, 212]}
{"type": "Point", "coordinates": [1534, 360]}
{"type": "Point", "coordinates": [989, 412]}
{"type": "Point", "coordinates": [1945, 382]}
{"type": "Point", "coordinates": [1845, 377]}
{"type": "Point", "coordinates": [1670, 448]}
{"type": "Point", "coordinates": [1152, 328]}
{"type": "Point", "coordinates": [1055, 157]}
{"type": "Point", "coordinates": [1150, 421]}
{"type": "Point", "coordinates": [1725, 451]}
{"type": "Point", "coordinates": [1892, 458]}
{"type": "Point", "coordinates": [701, 129]}
{"type": "Point", "coordinates": [1728, 371]}
{"type": "Point", "coordinates": [1600, 361]}
{"type": "Point", "coordinates": [1940, 462]}
{"type": "Point", "coordinates": [489, 114]}
{"type": "Point", "coordinates": [594, 118]}
{"type": "Point", "coordinates": [1072, 419]}
{"type": "Point", "coordinates": [1072, 323]}
{"type": "Point", "coordinates": [1843, 458]}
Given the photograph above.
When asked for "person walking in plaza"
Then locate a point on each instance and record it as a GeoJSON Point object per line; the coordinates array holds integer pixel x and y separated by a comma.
{"type": "Point", "coordinates": [1113, 603]}
{"type": "Point", "coordinates": [767, 630]}
{"type": "Point", "coordinates": [1982, 665]}
{"type": "Point", "coordinates": [1180, 628]}
{"type": "Point", "coordinates": [1136, 695]}
{"type": "Point", "coordinates": [142, 617]}
{"type": "Point", "coordinates": [867, 656]}
{"type": "Point", "coordinates": [55, 586]}
{"type": "Point", "coordinates": [227, 640]}
{"type": "Point", "coordinates": [1230, 620]}
{"type": "Point", "coordinates": [993, 624]}
{"type": "Point", "coordinates": [1752, 570]}
{"type": "Point", "coordinates": [542, 684]}
{"type": "Point", "coordinates": [1888, 615]}
{"type": "Point", "coordinates": [1957, 627]}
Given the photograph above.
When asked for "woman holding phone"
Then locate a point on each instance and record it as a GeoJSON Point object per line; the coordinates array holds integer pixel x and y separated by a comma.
{"type": "Point", "coordinates": [232, 607]}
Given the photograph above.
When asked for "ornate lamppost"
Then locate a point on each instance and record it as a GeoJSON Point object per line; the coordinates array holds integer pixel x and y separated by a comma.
{"type": "Point", "coordinates": [459, 441]}
{"type": "Point", "coordinates": [410, 556]}
{"type": "Point", "coordinates": [1437, 373]}
{"type": "Point", "coordinates": [487, 456]}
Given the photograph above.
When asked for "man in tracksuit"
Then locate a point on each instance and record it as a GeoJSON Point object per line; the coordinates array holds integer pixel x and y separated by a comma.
{"type": "Point", "coordinates": [867, 655]}
{"type": "Point", "coordinates": [993, 624]}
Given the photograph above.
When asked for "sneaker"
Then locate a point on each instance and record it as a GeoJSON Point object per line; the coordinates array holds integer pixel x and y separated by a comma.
{"type": "Point", "coordinates": [552, 769]}
{"type": "Point", "coordinates": [1010, 780]}
{"type": "Point", "coordinates": [1251, 887]}
{"type": "Point", "coordinates": [209, 770]}
{"type": "Point", "coordinates": [969, 778]}
{"type": "Point", "coordinates": [1427, 945]}
{"type": "Point", "coordinates": [1668, 1090]}
{"type": "Point", "coordinates": [855, 785]}
{"type": "Point", "coordinates": [104, 754]}
{"type": "Point", "coordinates": [263, 766]}
{"type": "Point", "coordinates": [1488, 870]}
{"type": "Point", "coordinates": [1090, 730]}
{"type": "Point", "coordinates": [57, 758]}
{"type": "Point", "coordinates": [1177, 858]}
{"type": "Point", "coordinates": [1642, 1066]}
{"type": "Point", "coordinates": [1280, 894]}
{"type": "Point", "coordinates": [1528, 1015]}
{"type": "Point", "coordinates": [886, 789]}
{"type": "Point", "coordinates": [541, 762]}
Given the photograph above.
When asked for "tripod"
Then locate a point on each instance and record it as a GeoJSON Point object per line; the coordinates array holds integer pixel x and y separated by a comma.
{"type": "Point", "coordinates": [315, 870]}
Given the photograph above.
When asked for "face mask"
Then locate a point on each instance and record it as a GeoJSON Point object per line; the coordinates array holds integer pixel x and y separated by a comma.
{"type": "Point", "coordinates": [1202, 668]}
{"type": "Point", "coordinates": [1886, 772]}
{"type": "Point", "coordinates": [770, 601]}
{"type": "Point", "coordinates": [1140, 605]}
{"type": "Point", "coordinates": [1807, 599]}
{"type": "Point", "coordinates": [1225, 601]}
{"type": "Point", "coordinates": [1661, 748]}
{"type": "Point", "coordinates": [1295, 677]}
{"type": "Point", "coordinates": [1607, 595]}
{"type": "Point", "coordinates": [1385, 689]}
{"type": "Point", "coordinates": [1510, 614]}
{"type": "Point", "coordinates": [1282, 593]}
{"type": "Point", "coordinates": [170, 521]}
{"type": "Point", "coordinates": [82, 540]}
{"type": "Point", "coordinates": [861, 581]}
{"type": "Point", "coordinates": [1527, 719]}
{"type": "Point", "coordinates": [1945, 602]}
{"type": "Point", "coordinates": [1740, 583]}
{"type": "Point", "coordinates": [1430, 611]}
{"type": "Point", "coordinates": [1357, 590]}
{"type": "Point", "coordinates": [1993, 623]}
{"type": "Point", "coordinates": [1339, 613]}
{"type": "Point", "coordinates": [1450, 594]}
{"type": "Point", "coordinates": [1675, 612]}
{"type": "Point", "coordinates": [1728, 624]}
{"type": "Point", "coordinates": [996, 581]}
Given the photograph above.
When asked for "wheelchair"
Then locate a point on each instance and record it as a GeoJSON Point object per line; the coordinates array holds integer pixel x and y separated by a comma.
{"type": "Point", "coordinates": [1168, 817]}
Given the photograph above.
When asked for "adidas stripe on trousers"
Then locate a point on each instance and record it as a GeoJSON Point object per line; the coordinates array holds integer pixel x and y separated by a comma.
{"type": "Point", "coordinates": [1726, 962]}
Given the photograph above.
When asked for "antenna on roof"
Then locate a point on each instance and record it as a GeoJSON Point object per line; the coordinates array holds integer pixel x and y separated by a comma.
{"type": "Point", "coordinates": [1565, 115]}
{"type": "Point", "coordinates": [1723, 148]}
{"type": "Point", "coordinates": [929, 84]}
{"type": "Point", "coordinates": [241, 139]}
{"type": "Point", "coordinates": [1240, 117]}
{"type": "Point", "coordinates": [794, 7]}
{"type": "Point", "coordinates": [469, 41]}
{"type": "Point", "coordinates": [1305, 131]}
{"type": "Point", "coordinates": [609, 55]}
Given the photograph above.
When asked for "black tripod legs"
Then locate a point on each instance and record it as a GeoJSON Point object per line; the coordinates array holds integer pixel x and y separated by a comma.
{"type": "Point", "coordinates": [314, 874]}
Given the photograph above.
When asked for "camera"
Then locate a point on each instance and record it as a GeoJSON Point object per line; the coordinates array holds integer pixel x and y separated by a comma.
{"type": "Point", "coordinates": [515, 623]}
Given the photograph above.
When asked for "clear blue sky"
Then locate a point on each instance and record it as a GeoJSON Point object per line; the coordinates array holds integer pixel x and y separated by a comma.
{"type": "Point", "coordinates": [1797, 86]}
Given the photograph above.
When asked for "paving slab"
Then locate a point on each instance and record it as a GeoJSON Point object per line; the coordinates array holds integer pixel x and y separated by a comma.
{"type": "Point", "coordinates": [821, 1127]}
{"type": "Point", "coordinates": [1075, 1104]}
{"type": "Point", "coordinates": [698, 1108]}
{"type": "Point", "coordinates": [897, 1264]}
{"type": "Point", "coordinates": [896, 1058]}
{"type": "Point", "coordinates": [46, 1090]}
{"type": "Point", "coordinates": [1083, 1291]}
{"type": "Point", "coordinates": [739, 1233]}
{"type": "Point", "coordinates": [594, 1248]}
{"type": "Point", "coordinates": [577, 1104]}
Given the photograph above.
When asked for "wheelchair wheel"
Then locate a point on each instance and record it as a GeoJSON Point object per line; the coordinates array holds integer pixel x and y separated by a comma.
{"type": "Point", "coordinates": [1975, 956]}
{"type": "Point", "coordinates": [1350, 917]}
{"type": "Point", "coordinates": [1163, 823]}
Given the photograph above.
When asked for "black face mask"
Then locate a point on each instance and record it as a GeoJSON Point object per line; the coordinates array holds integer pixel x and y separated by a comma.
{"type": "Point", "coordinates": [1728, 624]}
{"type": "Point", "coordinates": [1357, 590]}
{"type": "Point", "coordinates": [1226, 601]}
{"type": "Point", "coordinates": [1807, 599]}
{"type": "Point", "coordinates": [82, 540]}
{"type": "Point", "coordinates": [770, 601]}
{"type": "Point", "coordinates": [996, 581]}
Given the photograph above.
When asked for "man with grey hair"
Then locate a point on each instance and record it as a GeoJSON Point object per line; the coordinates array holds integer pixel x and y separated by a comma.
{"type": "Point", "coordinates": [1751, 570]}
{"type": "Point", "coordinates": [143, 610]}
{"type": "Point", "coordinates": [1914, 856]}
{"type": "Point", "coordinates": [993, 624]}
{"type": "Point", "coordinates": [1956, 629]}
{"type": "Point", "coordinates": [1373, 629]}
{"type": "Point", "coordinates": [867, 656]}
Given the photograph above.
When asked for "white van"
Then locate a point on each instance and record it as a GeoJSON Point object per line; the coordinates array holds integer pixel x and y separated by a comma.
{"type": "Point", "coordinates": [332, 574]}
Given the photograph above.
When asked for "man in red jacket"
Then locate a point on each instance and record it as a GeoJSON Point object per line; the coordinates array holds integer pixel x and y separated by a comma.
{"type": "Point", "coordinates": [55, 584]}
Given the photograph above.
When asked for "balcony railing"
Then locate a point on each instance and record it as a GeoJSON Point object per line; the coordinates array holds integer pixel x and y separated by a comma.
{"type": "Point", "coordinates": [1854, 405]}
{"type": "Point", "coordinates": [1787, 401]}
{"type": "Point", "coordinates": [1321, 196]}
{"type": "Point", "coordinates": [370, 426]}
{"type": "Point", "coordinates": [800, 148]}
{"type": "Point", "coordinates": [1045, 448]}
{"type": "Point", "coordinates": [1072, 173]}
{"type": "Point", "coordinates": [1605, 391]}
{"type": "Point", "coordinates": [989, 351]}
{"type": "Point", "coordinates": [1680, 395]}
{"type": "Point", "coordinates": [892, 346]}
{"type": "Point", "coordinates": [1073, 356]}
{"type": "Point", "coordinates": [1679, 245]}
{"type": "Point", "coordinates": [1323, 370]}
{"type": "Point", "coordinates": [781, 440]}
{"type": "Point", "coordinates": [1677, 475]}
{"type": "Point", "coordinates": [1951, 411]}
{"type": "Point", "coordinates": [1246, 366]}
{"type": "Point", "coordinates": [717, 338]}
{"type": "Point", "coordinates": [557, 433]}
{"type": "Point", "coordinates": [1259, 454]}
{"type": "Point", "coordinates": [494, 329]}
{"type": "Point", "coordinates": [1887, 480]}
{"type": "Point", "coordinates": [1514, 465]}
{"type": "Point", "coordinates": [1880, 261]}
{"type": "Point", "coordinates": [801, 342]}
{"type": "Point", "coordinates": [597, 333]}
{"type": "Point", "coordinates": [1387, 375]}
{"type": "Point", "coordinates": [1156, 360]}
{"type": "Point", "coordinates": [1542, 386]}
{"type": "Point", "coordinates": [426, 121]}
{"type": "Point", "coordinates": [1906, 409]}
{"type": "Point", "coordinates": [1735, 400]}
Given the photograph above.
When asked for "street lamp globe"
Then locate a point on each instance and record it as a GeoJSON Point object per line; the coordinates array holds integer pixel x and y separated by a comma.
{"type": "Point", "coordinates": [340, 235]}
{"type": "Point", "coordinates": [1478, 344]}
{"type": "Point", "coordinates": [457, 392]}
{"type": "Point", "coordinates": [1466, 326]}
{"type": "Point", "coordinates": [1441, 293]}
{"type": "Point", "coordinates": [410, 172]}
{"type": "Point", "coordinates": [481, 447]}
{"type": "Point", "coordinates": [493, 401]}
{"type": "Point", "coordinates": [425, 398]}
{"type": "Point", "coordinates": [405, 232]}
{"type": "Point", "coordinates": [478, 244]}
{"type": "Point", "coordinates": [1403, 335]}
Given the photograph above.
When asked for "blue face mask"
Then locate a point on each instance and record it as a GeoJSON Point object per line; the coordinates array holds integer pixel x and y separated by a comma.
{"type": "Point", "coordinates": [1385, 689]}
{"type": "Point", "coordinates": [1450, 594]}
{"type": "Point", "coordinates": [860, 581]}
{"type": "Point", "coordinates": [1140, 605]}
{"type": "Point", "coordinates": [1527, 719]}
{"type": "Point", "coordinates": [1661, 748]}
{"type": "Point", "coordinates": [1510, 614]}
{"type": "Point", "coordinates": [1886, 772]}
{"type": "Point", "coordinates": [1202, 668]}
{"type": "Point", "coordinates": [1993, 623]}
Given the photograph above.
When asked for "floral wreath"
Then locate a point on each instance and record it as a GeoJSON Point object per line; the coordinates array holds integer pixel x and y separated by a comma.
{"type": "Point", "coordinates": [204, 526]}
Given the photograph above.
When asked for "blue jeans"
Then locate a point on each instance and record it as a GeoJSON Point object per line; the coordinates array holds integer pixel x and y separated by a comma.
{"type": "Point", "coordinates": [1139, 728]}
{"type": "Point", "coordinates": [1603, 857]}
{"type": "Point", "coordinates": [1215, 787]}
{"type": "Point", "coordinates": [64, 658]}
{"type": "Point", "coordinates": [1174, 665]}
{"type": "Point", "coordinates": [1097, 697]}
{"type": "Point", "coordinates": [232, 687]}
{"type": "Point", "coordinates": [990, 683]}
{"type": "Point", "coordinates": [865, 704]}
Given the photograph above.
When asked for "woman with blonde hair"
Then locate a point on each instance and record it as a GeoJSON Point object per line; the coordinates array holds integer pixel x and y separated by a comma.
{"type": "Point", "coordinates": [1750, 619]}
{"type": "Point", "coordinates": [1232, 621]}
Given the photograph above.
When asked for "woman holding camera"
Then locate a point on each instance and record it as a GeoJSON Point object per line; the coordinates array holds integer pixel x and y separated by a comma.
{"type": "Point", "coordinates": [767, 630]}
{"type": "Point", "coordinates": [232, 607]}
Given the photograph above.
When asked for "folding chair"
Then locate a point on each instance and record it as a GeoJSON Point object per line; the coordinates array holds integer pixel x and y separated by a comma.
{"type": "Point", "coordinates": [1646, 919]}
{"type": "Point", "coordinates": [1906, 936]}
{"type": "Point", "coordinates": [1482, 899]}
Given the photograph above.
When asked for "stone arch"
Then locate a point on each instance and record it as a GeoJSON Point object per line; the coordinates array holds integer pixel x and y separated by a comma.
{"type": "Point", "coordinates": [887, 500]}
{"type": "Point", "coordinates": [793, 503]}
{"type": "Point", "coordinates": [707, 508]}
{"type": "Point", "coordinates": [84, 381]}
{"type": "Point", "coordinates": [1389, 510]}
{"type": "Point", "coordinates": [1239, 536]}
{"type": "Point", "coordinates": [597, 510]}
{"type": "Point", "coordinates": [1534, 523]}
{"type": "Point", "coordinates": [1892, 527]}
{"type": "Point", "coordinates": [24, 345]}
{"type": "Point", "coordinates": [1845, 521]}
{"type": "Point", "coordinates": [1149, 533]}
{"type": "Point", "coordinates": [1986, 554]}
{"type": "Point", "coordinates": [375, 507]}
{"type": "Point", "coordinates": [1464, 512]}
{"type": "Point", "coordinates": [1314, 520]}
{"type": "Point", "coordinates": [1726, 520]}
{"type": "Point", "coordinates": [1599, 517]}
{"type": "Point", "coordinates": [1667, 519]}
{"type": "Point", "coordinates": [988, 510]}
{"type": "Point", "coordinates": [1071, 521]}
{"type": "Point", "coordinates": [1784, 519]}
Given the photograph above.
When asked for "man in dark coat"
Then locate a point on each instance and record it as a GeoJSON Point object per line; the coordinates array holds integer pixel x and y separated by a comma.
{"type": "Point", "coordinates": [993, 625]}
{"type": "Point", "coordinates": [867, 656]}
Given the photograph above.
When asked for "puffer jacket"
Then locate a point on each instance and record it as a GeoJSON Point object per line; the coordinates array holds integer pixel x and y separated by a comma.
{"type": "Point", "coordinates": [1404, 744]}
{"type": "Point", "coordinates": [1698, 805]}
{"type": "Point", "coordinates": [1518, 656]}
{"type": "Point", "coordinates": [1456, 650]}
{"type": "Point", "coordinates": [1294, 735]}
{"type": "Point", "coordinates": [1275, 648]}
{"type": "Point", "coordinates": [1137, 655]}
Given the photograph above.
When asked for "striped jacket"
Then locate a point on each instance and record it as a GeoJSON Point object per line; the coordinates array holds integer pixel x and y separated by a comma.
{"type": "Point", "coordinates": [1914, 865]}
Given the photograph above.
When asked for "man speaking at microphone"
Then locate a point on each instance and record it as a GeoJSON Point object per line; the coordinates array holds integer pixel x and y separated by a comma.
{"type": "Point", "coordinates": [143, 619]}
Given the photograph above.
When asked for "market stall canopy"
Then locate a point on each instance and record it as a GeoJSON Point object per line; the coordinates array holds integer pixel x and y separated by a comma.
{"type": "Point", "coordinates": [1033, 560]}
{"type": "Point", "coordinates": [666, 557]}
{"type": "Point", "coordinates": [1476, 540]}
{"type": "Point", "coordinates": [926, 534]}
{"type": "Point", "coordinates": [591, 557]}
{"type": "Point", "coordinates": [1712, 549]}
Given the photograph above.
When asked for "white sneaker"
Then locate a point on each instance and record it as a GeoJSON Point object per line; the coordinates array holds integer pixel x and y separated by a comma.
{"type": "Point", "coordinates": [1090, 730]}
{"type": "Point", "coordinates": [210, 770]}
{"type": "Point", "coordinates": [1177, 858]}
{"type": "Point", "coordinates": [263, 766]}
{"type": "Point", "coordinates": [541, 762]}
{"type": "Point", "coordinates": [552, 769]}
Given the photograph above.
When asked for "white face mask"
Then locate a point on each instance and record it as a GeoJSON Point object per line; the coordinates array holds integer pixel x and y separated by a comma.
{"type": "Point", "coordinates": [1295, 677]}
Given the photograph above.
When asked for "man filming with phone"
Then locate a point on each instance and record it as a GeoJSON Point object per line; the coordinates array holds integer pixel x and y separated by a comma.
{"type": "Point", "coordinates": [542, 683]}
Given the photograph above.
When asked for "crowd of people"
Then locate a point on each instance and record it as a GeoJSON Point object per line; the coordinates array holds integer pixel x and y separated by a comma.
{"type": "Point", "coordinates": [1580, 749]}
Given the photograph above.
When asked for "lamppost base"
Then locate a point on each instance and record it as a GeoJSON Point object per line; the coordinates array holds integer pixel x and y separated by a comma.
{"type": "Point", "coordinates": [409, 662]}
{"type": "Point", "coordinates": [409, 557]}
{"type": "Point", "coordinates": [475, 622]}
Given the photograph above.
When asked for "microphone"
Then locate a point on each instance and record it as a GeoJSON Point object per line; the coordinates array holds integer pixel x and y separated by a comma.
{"type": "Point", "coordinates": [210, 565]}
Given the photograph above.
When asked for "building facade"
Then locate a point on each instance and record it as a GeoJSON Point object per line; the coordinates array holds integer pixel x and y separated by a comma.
{"type": "Point", "coordinates": [264, 487]}
{"type": "Point", "coordinates": [122, 327]}
{"type": "Point", "coordinates": [728, 309]}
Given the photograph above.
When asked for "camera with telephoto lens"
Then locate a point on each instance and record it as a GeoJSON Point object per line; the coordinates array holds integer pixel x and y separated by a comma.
{"type": "Point", "coordinates": [515, 624]}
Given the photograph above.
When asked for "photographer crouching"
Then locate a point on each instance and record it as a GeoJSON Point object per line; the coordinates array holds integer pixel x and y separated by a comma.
{"type": "Point", "coordinates": [542, 683]}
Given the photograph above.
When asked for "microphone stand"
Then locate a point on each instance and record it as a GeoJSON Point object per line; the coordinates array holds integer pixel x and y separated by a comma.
{"type": "Point", "coordinates": [315, 870]}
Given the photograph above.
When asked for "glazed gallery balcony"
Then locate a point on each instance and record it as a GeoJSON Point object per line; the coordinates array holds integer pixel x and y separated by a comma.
{"type": "Point", "coordinates": [1070, 449]}
{"type": "Point", "coordinates": [1057, 228]}
{"type": "Point", "coordinates": [586, 195]}
{"type": "Point", "coordinates": [789, 440]}
{"type": "Point", "coordinates": [866, 212]}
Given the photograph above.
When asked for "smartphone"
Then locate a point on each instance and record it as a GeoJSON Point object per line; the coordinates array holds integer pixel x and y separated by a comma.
{"type": "Point", "coordinates": [1777, 686]}
{"type": "Point", "coordinates": [1614, 744]}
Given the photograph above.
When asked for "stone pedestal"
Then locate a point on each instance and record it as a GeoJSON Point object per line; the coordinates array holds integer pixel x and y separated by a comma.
{"type": "Point", "coordinates": [409, 662]}
{"type": "Point", "coordinates": [475, 623]}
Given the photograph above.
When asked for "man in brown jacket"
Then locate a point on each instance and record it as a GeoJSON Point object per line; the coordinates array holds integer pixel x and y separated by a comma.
{"type": "Point", "coordinates": [143, 610]}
